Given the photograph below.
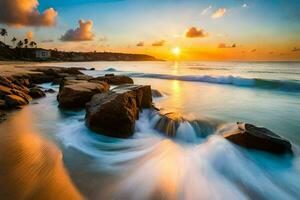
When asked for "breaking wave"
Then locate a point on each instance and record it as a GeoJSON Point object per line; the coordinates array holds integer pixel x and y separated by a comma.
{"type": "Point", "coordinates": [284, 85]}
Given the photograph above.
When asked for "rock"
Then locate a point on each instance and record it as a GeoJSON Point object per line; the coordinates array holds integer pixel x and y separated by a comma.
{"type": "Point", "coordinates": [143, 94]}
{"type": "Point", "coordinates": [76, 93]}
{"type": "Point", "coordinates": [57, 81]}
{"type": "Point", "coordinates": [2, 104]}
{"type": "Point", "coordinates": [39, 78]}
{"type": "Point", "coordinates": [14, 101]}
{"type": "Point", "coordinates": [169, 123]}
{"type": "Point", "coordinates": [250, 136]}
{"type": "Point", "coordinates": [115, 80]}
{"type": "Point", "coordinates": [92, 69]}
{"type": "Point", "coordinates": [156, 93]}
{"type": "Point", "coordinates": [36, 93]}
{"type": "Point", "coordinates": [2, 116]}
{"type": "Point", "coordinates": [49, 91]}
{"type": "Point", "coordinates": [4, 90]}
{"type": "Point", "coordinates": [22, 94]}
{"type": "Point", "coordinates": [114, 113]}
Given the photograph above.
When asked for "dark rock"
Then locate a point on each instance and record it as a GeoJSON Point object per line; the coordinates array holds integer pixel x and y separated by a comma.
{"type": "Point", "coordinates": [14, 101]}
{"type": "Point", "coordinates": [2, 104]}
{"type": "Point", "coordinates": [250, 136]}
{"type": "Point", "coordinates": [115, 80]}
{"type": "Point", "coordinates": [114, 113]}
{"type": "Point", "coordinates": [57, 81]}
{"type": "Point", "coordinates": [156, 93]}
{"type": "Point", "coordinates": [49, 91]}
{"type": "Point", "coordinates": [3, 116]}
{"type": "Point", "coordinates": [92, 69]}
{"type": "Point", "coordinates": [36, 93]}
{"type": "Point", "coordinates": [76, 93]}
{"type": "Point", "coordinates": [39, 78]}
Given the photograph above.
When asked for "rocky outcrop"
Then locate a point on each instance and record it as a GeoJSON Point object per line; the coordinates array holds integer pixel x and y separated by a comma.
{"type": "Point", "coordinates": [76, 93]}
{"type": "Point", "coordinates": [115, 79]}
{"type": "Point", "coordinates": [114, 113]}
{"type": "Point", "coordinates": [36, 93]}
{"type": "Point", "coordinates": [250, 136]}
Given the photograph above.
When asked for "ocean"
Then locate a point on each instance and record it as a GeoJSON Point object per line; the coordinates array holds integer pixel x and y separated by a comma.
{"type": "Point", "coordinates": [150, 165]}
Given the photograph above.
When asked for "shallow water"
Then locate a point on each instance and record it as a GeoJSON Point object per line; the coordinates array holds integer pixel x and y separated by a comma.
{"type": "Point", "coordinates": [152, 166]}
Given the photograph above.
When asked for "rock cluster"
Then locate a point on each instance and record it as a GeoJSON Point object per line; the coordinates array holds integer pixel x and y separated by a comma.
{"type": "Point", "coordinates": [115, 80]}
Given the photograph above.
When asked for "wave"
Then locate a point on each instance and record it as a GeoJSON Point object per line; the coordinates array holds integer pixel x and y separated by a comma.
{"type": "Point", "coordinates": [111, 69]}
{"type": "Point", "coordinates": [284, 85]}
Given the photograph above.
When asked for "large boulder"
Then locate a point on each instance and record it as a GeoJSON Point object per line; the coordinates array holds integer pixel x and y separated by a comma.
{"type": "Point", "coordinates": [76, 93]}
{"type": "Point", "coordinates": [114, 113]}
{"type": "Point", "coordinates": [250, 136]}
{"type": "Point", "coordinates": [115, 79]}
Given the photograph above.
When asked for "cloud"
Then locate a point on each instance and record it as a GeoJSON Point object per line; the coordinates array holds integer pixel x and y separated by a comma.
{"type": "Point", "coordinates": [159, 43]}
{"type": "Point", "coordinates": [295, 49]}
{"type": "Point", "coordinates": [244, 5]}
{"type": "Point", "coordinates": [205, 11]}
{"type": "Point", "coordinates": [223, 45]}
{"type": "Point", "coordinates": [82, 33]}
{"type": "Point", "coordinates": [193, 32]}
{"type": "Point", "coordinates": [25, 13]}
{"type": "Point", "coordinates": [29, 35]}
{"type": "Point", "coordinates": [253, 50]}
{"type": "Point", "coordinates": [219, 13]}
{"type": "Point", "coordinates": [140, 44]}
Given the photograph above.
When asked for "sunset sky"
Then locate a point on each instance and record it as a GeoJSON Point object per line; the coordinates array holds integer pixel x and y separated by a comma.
{"type": "Point", "coordinates": [203, 30]}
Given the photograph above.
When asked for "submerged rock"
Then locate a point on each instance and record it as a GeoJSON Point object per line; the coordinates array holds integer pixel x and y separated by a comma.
{"type": "Point", "coordinates": [169, 123]}
{"type": "Point", "coordinates": [114, 113]}
{"type": "Point", "coordinates": [76, 93]}
{"type": "Point", "coordinates": [49, 91]}
{"type": "Point", "coordinates": [36, 93]}
{"type": "Point", "coordinates": [156, 93]}
{"type": "Point", "coordinates": [250, 136]}
{"type": "Point", "coordinates": [115, 79]}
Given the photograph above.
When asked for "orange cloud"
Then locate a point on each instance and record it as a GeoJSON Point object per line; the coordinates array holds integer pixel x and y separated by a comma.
{"type": "Point", "coordinates": [29, 35]}
{"type": "Point", "coordinates": [193, 32]}
{"type": "Point", "coordinates": [159, 43]}
{"type": "Point", "coordinates": [223, 45]}
{"type": "Point", "coordinates": [25, 13]}
{"type": "Point", "coordinates": [140, 44]}
{"type": "Point", "coordinates": [82, 33]}
{"type": "Point", "coordinates": [219, 13]}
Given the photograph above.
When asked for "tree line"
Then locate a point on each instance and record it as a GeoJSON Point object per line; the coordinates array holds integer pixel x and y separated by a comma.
{"type": "Point", "coordinates": [18, 43]}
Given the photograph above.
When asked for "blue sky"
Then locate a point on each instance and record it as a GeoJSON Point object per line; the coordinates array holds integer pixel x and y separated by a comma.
{"type": "Point", "coordinates": [120, 24]}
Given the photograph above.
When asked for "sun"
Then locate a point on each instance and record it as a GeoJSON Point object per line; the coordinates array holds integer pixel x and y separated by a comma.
{"type": "Point", "coordinates": [176, 51]}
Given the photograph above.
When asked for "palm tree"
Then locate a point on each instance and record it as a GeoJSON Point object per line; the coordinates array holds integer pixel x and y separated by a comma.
{"type": "Point", "coordinates": [32, 44]}
{"type": "Point", "coordinates": [3, 33]}
{"type": "Point", "coordinates": [14, 40]}
{"type": "Point", "coordinates": [20, 44]}
{"type": "Point", "coordinates": [26, 42]}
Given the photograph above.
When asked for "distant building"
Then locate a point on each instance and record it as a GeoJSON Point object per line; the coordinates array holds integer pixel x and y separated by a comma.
{"type": "Point", "coordinates": [42, 54]}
